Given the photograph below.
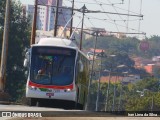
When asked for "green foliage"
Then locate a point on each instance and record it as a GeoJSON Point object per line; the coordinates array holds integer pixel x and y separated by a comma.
{"type": "Point", "coordinates": [127, 45]}
{"type": "Point", "coordinates": [127, 98]}
{"type": "Point", "coordinates": [17, 43]}
{"type": "Point", "coordinates": [139, 102]}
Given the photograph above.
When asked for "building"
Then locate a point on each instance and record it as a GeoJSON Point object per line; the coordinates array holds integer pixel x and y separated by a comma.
{"type": "Point", "coordinates": [131, 79]}
{"type": "Point", "coordinates": [120, 79]}
{"type": "Point", "coordinates": [46, 14]}
{"type": "Point", "coordinates": [121, 35]}
{"type": "Point", "coordinates": [149, 68]}
{"type": "Point", "coordinates": [156, 58]}
{"type": "Point", "coordinates": [90, 53]}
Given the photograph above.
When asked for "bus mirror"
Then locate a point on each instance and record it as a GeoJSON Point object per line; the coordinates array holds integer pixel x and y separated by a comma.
{"type": "Point", "coordinates": [80, 66]}
{"type": "Point", "coordinates": [25, 62]}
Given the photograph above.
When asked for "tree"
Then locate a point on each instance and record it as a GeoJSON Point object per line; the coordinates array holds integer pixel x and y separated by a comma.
{"type": "Point", "coordinates": [150, 100]}
{"type": "Point", "coordinates": [17, 43]}
{"type": "Point", "coordinates": [129, 45]}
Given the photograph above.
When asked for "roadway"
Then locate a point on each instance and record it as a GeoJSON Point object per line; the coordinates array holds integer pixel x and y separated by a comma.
{"type": "Point", "coordinates": [60, 114]}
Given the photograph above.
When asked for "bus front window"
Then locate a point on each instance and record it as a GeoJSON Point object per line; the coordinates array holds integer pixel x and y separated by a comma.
{"type": "Point", "coordinates": [52, 69]}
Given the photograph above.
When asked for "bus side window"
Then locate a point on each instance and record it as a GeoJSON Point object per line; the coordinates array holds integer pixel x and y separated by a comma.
{"type": "Point", "coordinates": [77, 70]}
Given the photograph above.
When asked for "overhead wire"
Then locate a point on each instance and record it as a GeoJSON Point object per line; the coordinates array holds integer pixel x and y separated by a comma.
{"type": "Point", "coordinates": [105, 20]}
{"type": "Point", "coordinates": [117, 12]}
{"type": "Point", "coordinates": [110, 19]}
{"type": "Point", "coordinates": [110, 3]}
{"type": "Point", "coordinates": [128, 16]}
{"type": "Point", "coordinates": [119, 15]}
{"type": "Point", "coordinates": [107, 15]}
{"type": "Point", "coordinates": [79, 17]}
{"type": "Point", "coordinates": [90, 21]}
{"type": "Point", "coordinates": [93, 3]}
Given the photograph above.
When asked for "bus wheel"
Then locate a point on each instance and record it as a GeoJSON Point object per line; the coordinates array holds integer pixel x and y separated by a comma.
{"type": "Point", "coordinates": [32, 102]}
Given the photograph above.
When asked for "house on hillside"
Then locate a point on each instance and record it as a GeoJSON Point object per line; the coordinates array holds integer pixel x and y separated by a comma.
{"type": "Point", "coordinates": [91, 53]}
{"type": "Point", "coordinates": [124, 80]}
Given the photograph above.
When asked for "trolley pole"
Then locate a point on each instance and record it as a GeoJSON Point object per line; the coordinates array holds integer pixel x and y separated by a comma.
{"type": "Point", "coordinates": [4, 48]}
{"type": "Point", "coordinates": [56, 19]}
{"type": "Point", "coordinates": [33, 34]}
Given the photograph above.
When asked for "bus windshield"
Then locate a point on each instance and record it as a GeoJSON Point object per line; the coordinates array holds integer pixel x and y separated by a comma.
{"type": "Point", "coordinates": [52, 65]}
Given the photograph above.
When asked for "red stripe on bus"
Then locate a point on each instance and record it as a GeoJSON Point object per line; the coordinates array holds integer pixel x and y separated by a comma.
{"type": "Point", "coordinates": [50, 86]}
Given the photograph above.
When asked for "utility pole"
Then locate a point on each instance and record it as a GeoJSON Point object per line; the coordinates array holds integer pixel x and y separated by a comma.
{"type": "Point", "coordinates": [56, 18]}
{"type": "Point", "coordinates": [152, 104]}
{"type": "Point", "coordinates": [91, 76]}
{"type": "Point", "coordinates": [98, 91]}
{"type": "Point", "coordinates": [107, 97]}
{"type": "Point", "coordinates": [121, 91]}
{"type": "Point", "coordinates": [102, 54]}
{"type": "Point", "coordinates": [83, 10]}
{"type": "Point", "coordinates": [33, 34]}
{"type": "Point", "coordinates": [108, 87]}
{"type": "Point", "coordinates": [4, 47]}
{"type": "Point", "coordinates": [72, 18]}
{"type": "Point", "coordinates": [113, 107]}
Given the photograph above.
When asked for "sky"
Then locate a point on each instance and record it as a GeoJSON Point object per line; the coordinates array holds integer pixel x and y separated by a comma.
{"type": "Point", "coordinates": [150, 10]}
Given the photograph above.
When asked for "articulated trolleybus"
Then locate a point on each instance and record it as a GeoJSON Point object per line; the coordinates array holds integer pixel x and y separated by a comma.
{"type": "Point", "coordinates": [57, 70]}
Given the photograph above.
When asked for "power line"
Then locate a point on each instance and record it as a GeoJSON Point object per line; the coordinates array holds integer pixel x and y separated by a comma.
{"type": "Point", "coordinates": [100, 3]}
{"type": "Point", "coordinates": [128, 16]}
{"type": "Point", "coordinates": [98, 11]}
{"type": "Point", "coordinates": [113, 4]}
{"type": "Point", "coordinates": [91, 22]}
{"type": "Point", "coordinates": [117, 12]}
{"type": "Point", "coordinates": [91, 17]}
{"type": "Point", "coordinates": [79, 16]}
{"type": "Point", "coordinates": [106, 20]}
{"type": "Point", "coordinates": [86, 29]}
{"type": "Point", "coordinates": [108, 15]}
{"type": "Point", "coordinates": [91, 11]}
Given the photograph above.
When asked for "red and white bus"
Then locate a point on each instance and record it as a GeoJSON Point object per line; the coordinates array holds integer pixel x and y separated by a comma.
{"type": "Point", "coordinates": [57, 70]}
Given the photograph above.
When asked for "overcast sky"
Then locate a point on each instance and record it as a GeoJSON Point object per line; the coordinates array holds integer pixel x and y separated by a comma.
{"type": "Point", "coordinates": [150, 9]}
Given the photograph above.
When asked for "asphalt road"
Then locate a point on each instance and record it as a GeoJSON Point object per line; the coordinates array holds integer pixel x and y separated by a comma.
{"type": "Point", "coordinates": [21, 112]}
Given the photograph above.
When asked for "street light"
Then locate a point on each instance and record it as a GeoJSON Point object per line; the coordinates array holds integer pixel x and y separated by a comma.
{"type": "Point", "coordinates": [102, 55]}
{"type": "Point", "coordinates": [142, 94]}
{"type": "Point", "coordinates": [119, 66]}
{"type": "Point", "coordinates": [97, 100]}
{"type": "Point", "coordinates": [107, 97]}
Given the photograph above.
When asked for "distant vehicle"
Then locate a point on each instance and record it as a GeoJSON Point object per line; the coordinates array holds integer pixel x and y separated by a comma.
{"type": "Point", "coordinates": [57, 70]}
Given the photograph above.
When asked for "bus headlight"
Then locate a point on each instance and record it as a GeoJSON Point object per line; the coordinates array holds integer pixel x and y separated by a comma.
{"type": "Point", "coordinates": [68, 90]}
{"type": "Point", "coordinates": [32, 88]}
